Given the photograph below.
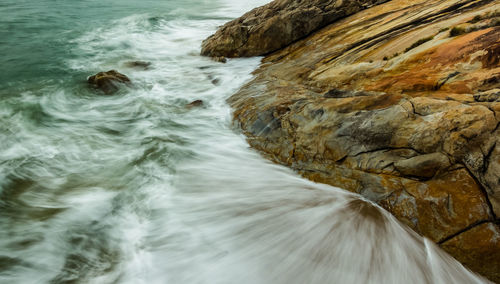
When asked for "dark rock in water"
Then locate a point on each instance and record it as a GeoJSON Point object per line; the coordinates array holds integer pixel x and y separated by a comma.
{"type": "Point", "coordinates": [138, 64]}
{"type": "Point", "coordinates": [213, 79]}
{"type": "Point", "coordinates": [277, 24]}
{"type": "Point", "coordinates": [220, 59]}
{"type": "Point", "coordinates": [216, 81]}
{"type": "Point", "coordinates": [196, 103]}
{"type": "Point", "coordinates": [108, 81]}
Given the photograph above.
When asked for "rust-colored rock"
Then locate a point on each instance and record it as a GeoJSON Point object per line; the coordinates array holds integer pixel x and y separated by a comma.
{"type": "Point", "coordinates": [492, 58]}
{"type": "Point", "coordinates": [479, 249]}
{"type": "Point", "coordinates": [277, 24]}
{"type": "Point", "coordinates": [108, 81]}
{"type": "Point", "coordinates": [416, 131]}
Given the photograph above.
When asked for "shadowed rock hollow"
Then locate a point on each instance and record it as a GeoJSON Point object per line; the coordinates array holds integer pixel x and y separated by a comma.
{"type": "Point", "coordinates": [399, 103]}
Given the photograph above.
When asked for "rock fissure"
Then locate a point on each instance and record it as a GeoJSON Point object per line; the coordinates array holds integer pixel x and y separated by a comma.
{"type": "Point", "coordinates": [487, 157]}
{"type": "Point", "coordinates": [484, 192]}
{"type": "Point", "coordinates": [496, 127]}
{"type": "Point", "coordinates": [384, 149]}
{"type": "Point", "coordinates": [413, 109]}
{"type": "Point", "coordinates": [440, 242]}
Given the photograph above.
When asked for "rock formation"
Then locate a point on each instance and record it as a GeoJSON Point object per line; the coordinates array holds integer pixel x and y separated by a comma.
{"type": "Point", "coordinates": [277, 24]}
{"type": "Point", "coordinates": [108, 81]}
{"type": "Point", "coordinates": [399, 103]}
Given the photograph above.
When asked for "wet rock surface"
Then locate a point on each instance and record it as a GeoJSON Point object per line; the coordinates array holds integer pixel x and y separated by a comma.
{"type": "Point", "coordinates": [195, 103]}
{"type": "Point", "coordinates": [415, 130]}
{"type": "Point", "coordinates": [108, 81]}
{"type": "Point", "coordinates": [277, 24]}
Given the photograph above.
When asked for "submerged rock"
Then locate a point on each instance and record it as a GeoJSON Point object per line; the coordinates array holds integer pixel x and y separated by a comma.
{"type": "Point", "coordinates": [216, 81]}
{"type": "Point", "coordinates": [220, 59]}
{"type": "Point", "coordinates": [196, 103]}
{"type": "Point", "coordinates": [145, 65]}
{"type": "Point", "coordinates": [108, 82]}
{"type": "Point", "coordinates": [277, 24]}
{"type": "Point", "coordinates": [416, 132]}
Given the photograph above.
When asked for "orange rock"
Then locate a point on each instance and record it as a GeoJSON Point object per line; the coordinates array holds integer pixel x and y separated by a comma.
{"type": "Point", "coordinates": [446, 205]}
{"type": "Point", "coordinates": [478, 248]}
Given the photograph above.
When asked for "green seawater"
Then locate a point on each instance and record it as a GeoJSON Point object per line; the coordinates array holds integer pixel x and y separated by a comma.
{"type": "Point", "coordinates": [37, 38]}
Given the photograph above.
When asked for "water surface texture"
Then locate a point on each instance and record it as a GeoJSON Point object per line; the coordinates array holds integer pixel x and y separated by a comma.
{"type": "Point", "coordinates": [137, 188]}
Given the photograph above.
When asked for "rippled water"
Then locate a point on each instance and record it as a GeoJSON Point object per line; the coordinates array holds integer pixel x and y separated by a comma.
{"type": "Point", "coordinates": [137, 188]}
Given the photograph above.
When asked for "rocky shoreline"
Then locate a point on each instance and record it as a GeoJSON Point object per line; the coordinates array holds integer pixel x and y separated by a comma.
{"type": "Point", "coordinates": [399, 102]}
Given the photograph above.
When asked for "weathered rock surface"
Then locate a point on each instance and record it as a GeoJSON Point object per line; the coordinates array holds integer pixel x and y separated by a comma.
{"type": "Point", "coordinates": [108, 81]}
{"type": "Point", "coordinates": [277, 24]}
{"type": "Point", "coordinates": [480, 242]}
{"type": "Point", "coordinates": [416, 131]}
